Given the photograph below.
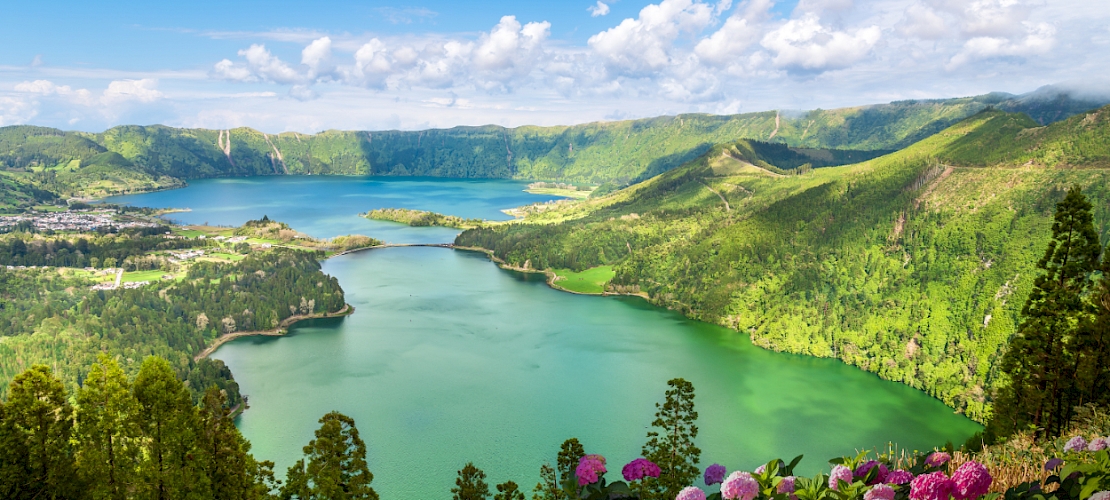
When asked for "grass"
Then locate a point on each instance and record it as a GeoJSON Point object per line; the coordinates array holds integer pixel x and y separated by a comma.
{"type": "Point", "coordinates": [133, 276]}
{"type": "Point", "coordinates": [566, 193]}
{"type": "Point", "coordinates": [234, 257]}
{"type": "Point", "coordinates": [592, 280]}
{"type": "Point", "coordinates": [189, 233]}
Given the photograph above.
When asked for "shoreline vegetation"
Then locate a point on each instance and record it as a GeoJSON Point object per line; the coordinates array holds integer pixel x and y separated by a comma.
{"type": "Point", "coordinates": [563, 189]}
{"type": "Point", "coordinates": [552, 276]}
{"type": "Point", "coordinates": [281, 331]}
{"type": "Point", "coordinates": [422, 218]}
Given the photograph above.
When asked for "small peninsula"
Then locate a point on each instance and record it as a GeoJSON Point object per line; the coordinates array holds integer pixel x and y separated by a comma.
{"type": "Point", "coordinates": [418, 218]}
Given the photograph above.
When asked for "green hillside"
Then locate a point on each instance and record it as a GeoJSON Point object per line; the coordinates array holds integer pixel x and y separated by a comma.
{"type": "Point", "coordinates": [913, 265]}
{"type": "Point", "coordinates": [611, 153]}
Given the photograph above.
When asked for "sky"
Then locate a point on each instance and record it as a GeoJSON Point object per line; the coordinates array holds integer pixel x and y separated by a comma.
{"type": "Point", "coordinates": [364, 65]}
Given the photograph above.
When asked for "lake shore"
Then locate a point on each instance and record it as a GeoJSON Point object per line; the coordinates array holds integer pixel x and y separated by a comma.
{"type": "Point", "coordinates": [552, 278]}
{"type": "Point", "coordinates": [280, 331]}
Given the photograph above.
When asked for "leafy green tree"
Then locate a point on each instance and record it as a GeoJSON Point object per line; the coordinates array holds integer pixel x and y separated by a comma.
{"type": "Point", "coordinates": [569, 454]}
{"type": "Point", "coordinates": [107, 432]}
{"type": "Point", "coordinates": [231, 471]}
{"type": "Point", "coordinates": [671, 444]}
{"type": "Point", "coordinates": [40, 419]}
{"type": "Point", "coordinates": [167, 419]}
{"type": "Point", "coordinates": [508, 491]}
{"type": "Point", "coordinates": [336, 467]}
{"type": "Point", "coordinates": [471, 484]}
{"type": "Point", "coordinates": [1041, 361]}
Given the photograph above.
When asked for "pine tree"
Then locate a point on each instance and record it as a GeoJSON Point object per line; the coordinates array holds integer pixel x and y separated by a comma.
{"type": "Point", "coordinates": [336, 467]}
{"type": "Point", "coordinates": [508, 491]}
{"type": "Point", "coordinates": [1041, 362]}
{"type": "Point", "coordinates": [226, 460]}
{"type": "Point", "coordinates": [671, 447]}
{"type": "Point", "coordinates": [167, 419]}
{"type": "Point", "coordinates": [40, 421]}
{"type": "Point", "coordinates": [107, 435]}
{"type": "Point", "coordinates": [1092, 346]}
{"type": "Point", "coordinates": [548, 487]}
{"type": "Point", "coordinates": [471, 484]}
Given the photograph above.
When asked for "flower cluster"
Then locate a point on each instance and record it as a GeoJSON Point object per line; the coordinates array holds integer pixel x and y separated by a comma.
{"type": "Point", "coordinates": [714, 474]}
{"type": "Point", "coordinates": [1076, 443]}
{"type": "Point", "coordinates": [938, 459]}
{"type": "Point", "coordinates": [932, 486]}
{"type": "Point", "coordinates": [641, 468]}
{"type": "Point", "coordinates": [879, 492]}
{"type": "Point", "coordinates": [899, 477]}
{"type": "Point", "coordinates": [739, 486]}
{"type": "Point", "coordinates": [690, 493]}
{"type": "Point", "coordinates": [589, 467]}
{"type": "Point", "coordinates": [838, 474]}
{"type": "Point", "coordinates": [865, 468]}
{"type": "Point", "coordinates": [970, 481]}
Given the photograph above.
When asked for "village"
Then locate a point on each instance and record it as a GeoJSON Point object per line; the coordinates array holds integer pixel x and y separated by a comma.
{"type": "Point", "coordinates": [72, 220]}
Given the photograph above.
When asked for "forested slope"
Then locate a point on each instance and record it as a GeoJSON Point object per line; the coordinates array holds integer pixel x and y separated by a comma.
{"type": "Point", "coordinates": [136, 158]}
{"type": "Point", "coordinates": [913, 265]}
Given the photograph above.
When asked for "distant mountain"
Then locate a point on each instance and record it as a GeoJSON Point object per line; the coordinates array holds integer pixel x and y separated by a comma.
{"type": "Point", "coordinates": [613, 153]}
{"type": "Point", "coordinates": [913, 265]}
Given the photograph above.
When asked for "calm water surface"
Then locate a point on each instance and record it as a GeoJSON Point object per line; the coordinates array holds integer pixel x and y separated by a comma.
{"type": "Point", "coordinates": [449, 359]}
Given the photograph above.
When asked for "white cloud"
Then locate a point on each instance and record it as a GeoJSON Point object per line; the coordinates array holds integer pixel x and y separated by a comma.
{"type": "Point", "coordinates": [640, 46]}
{"type": "Point", "coordinates": [14, 111]}
{"type": "Point", "coordinates": [1039, 39]}
{"type": "Point", "coordinates": [132, 90]}
{"type": "Point", "coordinates": [598, 10]}
{"type": "Point", "coordinates": [317, 56]}
{"type": "Point", "coordinates": [740, 31]}
{"type": "Point", "coordinates": [804, 45]}
{"type": "Point", "coordinates": [260, 65]}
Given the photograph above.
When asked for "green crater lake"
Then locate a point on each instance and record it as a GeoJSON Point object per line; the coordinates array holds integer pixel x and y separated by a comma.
{"type": "Point", "coordinates": [449, 359]}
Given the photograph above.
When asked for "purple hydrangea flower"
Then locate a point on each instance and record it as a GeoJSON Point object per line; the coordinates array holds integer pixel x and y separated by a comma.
{"type": "Point", "coordinates": [899, 477]}
{"type": "Point", "coordinates": [972, 480]}
{"type": "Point", "coordinates": [1053, 464]}
{"type": "Point", "coordinates": [934, 486]}
{"type": "Point", "coordinates": [938, 459]}
{"type": "Point", "coordinates": [714, 474]}
{"type": "Point", "coordinates": [839, 473]}
{"type": "Point", "coordinates": [866, 467]}
{"type": "Point", "coordinates": [1076, 443]}
{"type": "Point", "coordinates": [588, 469]}
{"type": "Point", "coordinates": [786, 486]}
{"type": "Point", "coordinates": [639, 469]}
{"type": "Point", "coordinates": [879, 492]}
{"type": "Point", "coordinates": [1102, 495]}
{"type": "Point", "coordinates": [690, 493]}
{"type": "Point", "coordinates": [1097, 444]}
{"type": "Point", "coordinates": [739, 486]}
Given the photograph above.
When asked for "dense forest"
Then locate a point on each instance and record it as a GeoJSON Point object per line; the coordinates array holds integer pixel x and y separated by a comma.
{"type": "Point", "coordinates": [421, 218]}
{"type": "Point", "coordinates": [912, 265]}
{"type": "Point", "coordinates": [53, 317]}
{"type": "Point", "coordinates": [137, 158]}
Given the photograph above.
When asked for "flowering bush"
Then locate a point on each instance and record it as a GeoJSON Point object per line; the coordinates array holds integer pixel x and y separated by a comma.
{"type": "Point", "coordinates": [589, 467]}
{"type": "Point", "coordinates": [691, 493]}
{"type": "Point", "coordinates": [639, 469]}
{"type": "Point", "coordinates": [739, 486]}
{"type": "Point", "coordinates": [879, 492]}
{"type": "Point", "coordinates": [971, 481]}
{"type": "Point", "coordinates": [714, 474]}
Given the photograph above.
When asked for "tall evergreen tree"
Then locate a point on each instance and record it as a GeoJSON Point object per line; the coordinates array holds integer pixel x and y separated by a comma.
{"type": "Point", "coordinates": [1092, 346]}
{"type": "Point", "coordinates": [671, 444]}
{"type": "Point", "coordinates": [40, 420]}
{"type": "Point", "coordinates": [1041, 361]}
{"type": "Point", "coordinates": [107, 433]}
{"type": "Point", "coordinates": [548, 487]}
{"type": "Point", "coordinates": [471, 484]}
{"type": "Point", "coordinates": [231, 471]}
{"type": "Point", "coordinates": [508, 491]}
{"type": "Point", "coordinates": [167, 419]}
{"type": "Point", "coordinates": [336, 467]}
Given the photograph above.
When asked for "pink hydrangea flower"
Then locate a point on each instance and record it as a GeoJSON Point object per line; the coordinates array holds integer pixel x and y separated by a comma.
{"type": "Point", "coordinates": [1076, 443]}
{"type": "Point", "coordinates": [690, 493]}
{"type": "Point", "coordinates": [972, 480]}
{"type": "Point", "coordinates": [761, 469]}
{"type": "Point", "coordinates": [879, 492]}
{"type": "Point", "coordinates": [588, 469]}
{"type": "Point", "coordinates": [866, 467]}
{"type": "Point", "coordinates": [639, 469]}
{"type": "Point", "coordinates": [739, 486]}
{"type": "Point", "coordinates": [714, 474]}
{"type": "Point", "coordinates": [934, 486]}
{"type": "Point", "coordinates": [839, 473]}
{"type": "Point", "coordinates": [786, 486]}
{"type": "Point", "coordinates": [938, 459]}
{"type": "Point", "coordinates": [899, 477]}
{"type": "Point", "coordinates": [1102, 495]}
{"type": "Point", "coordinates": [1097, 444]}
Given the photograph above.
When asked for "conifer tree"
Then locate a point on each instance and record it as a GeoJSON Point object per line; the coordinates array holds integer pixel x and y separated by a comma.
{"type": "Point", "coordinates": [40, 421]}
{"type": "Point", "coordinates": [227, 463]}
{"type": "Point", "coordinates": [167, 419]}
{"type": "Point", "coordinates": [471, 484]}
{"type": "Point", "coordinates": [508, 491]}
{"type": "Point", "coordinates": [107, 433]}
{"type": "Point", "coordinates": [336, 467]}
{"type": "Point", "coordinates": [1041, 361]}
{"type": "Point", "coordinates": [1092, 346]}
{"type": "Point", "coordinates": [548, 487]}
{"type": "Point", "coordinates": [671, 445]}
{"type": "Point", "coordinates": [11, 471]}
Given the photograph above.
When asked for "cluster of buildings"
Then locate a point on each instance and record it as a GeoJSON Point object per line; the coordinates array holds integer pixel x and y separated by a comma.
{"type": "Point", "coordinates": [185, 255]}
{"type": "Point", "coordinates": [71, 221]}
